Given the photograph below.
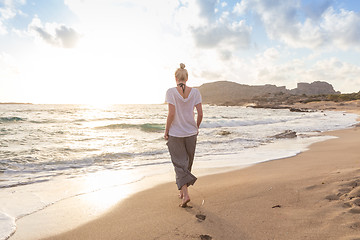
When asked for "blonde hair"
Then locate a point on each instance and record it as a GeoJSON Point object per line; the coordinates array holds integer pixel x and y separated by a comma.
{"type": "Point", "coordinates": [181, 73]}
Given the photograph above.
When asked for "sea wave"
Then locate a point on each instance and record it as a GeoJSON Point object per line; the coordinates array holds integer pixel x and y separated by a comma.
{"type": "Point", "coordinates": [18, 184]}
{"type": "Point", "coordinates": [46, 121]}
{"type": "Point", "coordinates": [15, 169]}
{"type": "Point", "coordinates": [11, 119]}
{"type": "Point", "coordinates": [108, 119]}
{"type": "Point", "coordinates": [146, 127]}
{"type": "Point", "coordinates": [238, 123]}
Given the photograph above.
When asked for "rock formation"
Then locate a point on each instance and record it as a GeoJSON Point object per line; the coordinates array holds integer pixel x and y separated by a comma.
{"type": "Point", "coordinates": [314, 88]}
{"type": "Point", "coordinates": [286, 134]}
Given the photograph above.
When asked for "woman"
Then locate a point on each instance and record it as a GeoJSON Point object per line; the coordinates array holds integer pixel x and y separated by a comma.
{"type": "Point", "coordinates": [181, 130]}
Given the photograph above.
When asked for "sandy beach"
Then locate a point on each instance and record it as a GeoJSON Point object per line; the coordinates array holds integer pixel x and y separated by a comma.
{"type": "Point", "coordinates": [107, 106]}
{"type": "Point", "coordinates": [314, 195]}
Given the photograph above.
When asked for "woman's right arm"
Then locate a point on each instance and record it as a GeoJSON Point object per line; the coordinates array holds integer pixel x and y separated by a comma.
{"type": "Point", "coordinates": [169, 120]}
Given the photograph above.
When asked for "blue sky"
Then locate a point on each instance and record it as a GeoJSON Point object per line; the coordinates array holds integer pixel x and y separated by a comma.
{"type": "Point", "coordinates": [122, 51]}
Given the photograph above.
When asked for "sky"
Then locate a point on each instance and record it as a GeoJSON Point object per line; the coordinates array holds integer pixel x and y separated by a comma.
{"type": "Point", "coordinates": [126, 51]}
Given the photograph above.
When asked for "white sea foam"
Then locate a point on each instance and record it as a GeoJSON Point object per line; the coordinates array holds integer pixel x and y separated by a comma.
{"type": "Point", "coordinates": [7, 226]}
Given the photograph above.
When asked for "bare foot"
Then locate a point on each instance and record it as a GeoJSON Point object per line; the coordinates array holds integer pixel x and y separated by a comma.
{"type": "Point", "coordinates": [184, 202]}
{"type": "Point", "coordinates": [185, 198]}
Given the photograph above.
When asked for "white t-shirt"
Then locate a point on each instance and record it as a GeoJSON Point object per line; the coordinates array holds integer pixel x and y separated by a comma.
{"type": "Point", "coordinates": [184, 124]}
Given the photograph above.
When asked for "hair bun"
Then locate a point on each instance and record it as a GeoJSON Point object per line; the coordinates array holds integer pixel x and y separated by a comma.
{"type": "Point", "coordinates": [182, 66]}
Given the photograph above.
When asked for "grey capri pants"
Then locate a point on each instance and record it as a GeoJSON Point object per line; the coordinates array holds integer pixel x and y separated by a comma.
{"type": "Point", "coordinates": [182, 151]}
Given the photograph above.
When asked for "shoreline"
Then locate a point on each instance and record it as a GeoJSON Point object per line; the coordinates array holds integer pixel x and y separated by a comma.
{"type": "Point", "coordinates": [53, 219]}
{"type": "Point", "coordinates": [310, 195]}
{"type": "Point", "coordinates": [69, 211]}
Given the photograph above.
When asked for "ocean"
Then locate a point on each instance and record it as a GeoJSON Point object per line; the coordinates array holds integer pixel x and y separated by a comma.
{"type": "Point", "coordinates": [46, 149]}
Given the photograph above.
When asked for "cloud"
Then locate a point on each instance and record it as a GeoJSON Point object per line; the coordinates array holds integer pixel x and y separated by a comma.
{"type": "Point", "coordinates": [9, 11]}
{"type": "Point", "coordinates": [210, 75]}
{"type": "Point", "coordinates": [314, 26]}
{"type": "Point", "coordinates": [67, 36]}
{"type": "Point", "coordinates": [279, 19]}
{"type": "Point", "coordinates": [54, 34]}
{"type": "Point", "coordinates": [241, 7]}
{"type": "Point", "coordinates": [6, 13]}
{"type": "Point", "coordinates": [315, 9]}
{"type": "Point", "coordinates": [207, 9]}
{"type": "Point", "coordinates": [271, 53]}
{"type": "Point", "coordinates": [234, 36]}
{"type": "Point", "coordinates": [222, 32]}
{"type": "Point", "coordinates": [342, 28]}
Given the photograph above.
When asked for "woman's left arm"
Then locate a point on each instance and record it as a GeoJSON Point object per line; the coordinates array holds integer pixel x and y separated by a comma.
{"type": "Point", "coordinates": [199, 114]}
{"type": "Point", "coordinates": [169, 120]}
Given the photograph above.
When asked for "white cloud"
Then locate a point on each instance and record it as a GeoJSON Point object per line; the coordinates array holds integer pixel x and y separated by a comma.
{"type": "Point", "coordinates": [340, 29]}
{"type": "Point", "coordinates": [5, 14]}
{"type": "Point", "coordinates": [315, 9]}
{"type": "Point", "coordinates": [223, 34]}
{"type": "Point", "coordinates": [9, 12]}
{"type": "Point", "coordinates": [271, 53]}
{"type": "Point", "coordinates": [54, 34]}
{"type": "Point", "coordinates": [232, 36]}
{"type": "Point", "coordinates": [208, 65]}
{"type": "Point", "coordinates": [67, 36]}
{"type": "Point", "coordinates": [207, 9]}
{"type": "Point", "coordinates": [241, 7]}
{"type": "Point", "coordinates": [279, 18]}
{"type": "Point", "coordinates": [285, 74]}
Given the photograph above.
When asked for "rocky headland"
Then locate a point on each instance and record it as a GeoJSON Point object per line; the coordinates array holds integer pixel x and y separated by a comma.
{"type": "Point", "coordinates": [227, 93]}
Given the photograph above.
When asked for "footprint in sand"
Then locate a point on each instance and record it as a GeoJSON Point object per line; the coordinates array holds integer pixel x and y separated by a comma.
{"type": "Point", "coordinates": [205, 237]}
{"type": "Point", "coordinates": [349, 194]}
{"type": "Point", "coordinates": [353, 183]}
{"type": "Point", "coordinates": [355, 225]}
{"type": "Point", "coordinates": [355, 193]}
{"type": "Point", "coordinates": [347, 205]}
{"type": "Point", "coordinates": [355, 210]}
{"type": "Point", "coordinates": [332, 197]}
{"type": "Point", "coordinates": [200, 217]}
{"type": "Point", "coordinates": [349, 191]}
{"type": "Point", "coordinates": [356, 202]}
{"type": "Point", "coordinates": [345, 190]}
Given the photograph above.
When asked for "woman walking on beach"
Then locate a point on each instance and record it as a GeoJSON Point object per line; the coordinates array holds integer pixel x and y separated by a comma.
{"type": "Point", "coordinates": [181, 130]}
